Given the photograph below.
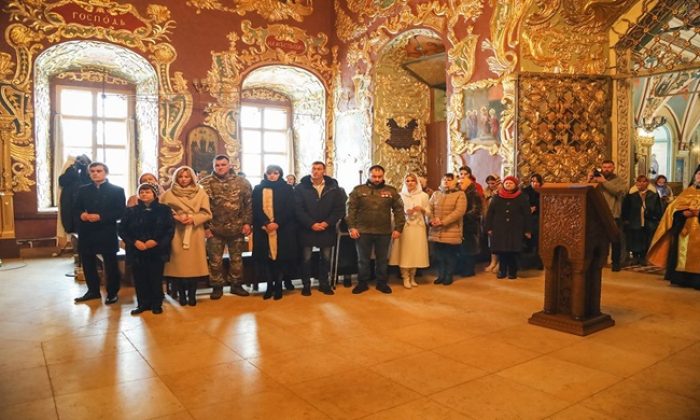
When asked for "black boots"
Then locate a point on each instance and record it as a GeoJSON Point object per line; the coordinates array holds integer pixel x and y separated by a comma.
{"type": "Point", "coordinates": [274, 289]}
{"type": "Point", "coordinates": [192, 293]}
{"type": "Point", "coordinates": [306, 289]}
{"type": "Point", "coordinates": [180, 286]}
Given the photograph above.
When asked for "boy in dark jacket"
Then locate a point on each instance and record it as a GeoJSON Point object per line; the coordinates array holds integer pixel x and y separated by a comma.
{"type": "Point", "coordinates": [147, 230]}
{"type": "Point", "coordinates": [320, 204]}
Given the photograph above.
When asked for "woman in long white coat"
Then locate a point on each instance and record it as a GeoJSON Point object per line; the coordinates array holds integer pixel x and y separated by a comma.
{"type": "Point", "coordinates": [410, 251]}
{"type": "Point", "coordinates": [188, 258]}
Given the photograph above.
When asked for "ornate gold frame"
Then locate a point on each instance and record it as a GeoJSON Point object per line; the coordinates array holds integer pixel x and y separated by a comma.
{"type": "Point", "coordinates": [35, 25]}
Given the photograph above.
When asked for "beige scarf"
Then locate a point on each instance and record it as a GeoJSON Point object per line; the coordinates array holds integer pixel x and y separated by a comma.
{"type": "Point", "coordinates": [269, 210]}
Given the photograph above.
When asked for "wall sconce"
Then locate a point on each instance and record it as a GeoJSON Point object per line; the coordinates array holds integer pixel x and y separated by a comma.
{"type": "Point", "coordinates": [651, 124]}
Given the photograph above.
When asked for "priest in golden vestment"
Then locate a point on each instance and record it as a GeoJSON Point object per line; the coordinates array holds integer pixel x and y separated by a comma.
{"type": "Point", "coordinates": [676, 243]}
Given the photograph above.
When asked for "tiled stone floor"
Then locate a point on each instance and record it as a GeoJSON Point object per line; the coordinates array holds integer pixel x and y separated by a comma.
{"type": "Point", "coordinates": [434, 352]}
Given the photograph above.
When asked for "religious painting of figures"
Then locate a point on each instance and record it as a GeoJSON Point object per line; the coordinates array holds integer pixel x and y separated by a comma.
{"type": "Point", "coordinates": [482, 114]}
{"type": "Point", "coordinates": [202, 144]}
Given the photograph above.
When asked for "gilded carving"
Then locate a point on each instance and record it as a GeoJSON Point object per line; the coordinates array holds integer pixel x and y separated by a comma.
{"type": "Point", "coordinates": [563, 126]}
{"type": "Point", "coordinates": [623, 100]}
{"type": "Point", "coordinates": [264, 95]}
{"type": "Point", "coordinates": [99, 19]}
{"type": "Point", "coordinates": [88, 75]}
{"type": "Point", "coordinates": [398, 96]}
{"type": "Point", "coordinates": [271, 10]}
{"type": "Point", "coordinates": [368, 12]}
{"type": "Point", "coordinates": [6, 66]}
{"type": "Point", "coordinates": [506, 20]}
{"type": "Point", "coordinates": [570, 35]}
{"type": "Point", "coordinates": [122, 24]}
{"type": "Point", "coordinates": [443, 17]}
{"type": "Point", "coordinates": [275, 43]}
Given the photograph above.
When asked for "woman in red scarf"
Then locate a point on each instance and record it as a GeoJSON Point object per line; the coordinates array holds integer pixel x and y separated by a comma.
{"type": "Point", "coordinates": [508, 224]}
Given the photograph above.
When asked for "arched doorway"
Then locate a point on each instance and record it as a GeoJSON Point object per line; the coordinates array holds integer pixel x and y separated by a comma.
{"type": "Point", "coordinates": [93, 66]}
{"type": "Point", "coordinates": [409, 97]}
{"type": "Point", "coordinates": [306, 129]}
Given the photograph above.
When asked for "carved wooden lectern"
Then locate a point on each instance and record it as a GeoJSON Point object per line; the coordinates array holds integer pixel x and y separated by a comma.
{"type": "Point", "coordinates": [576, 228]}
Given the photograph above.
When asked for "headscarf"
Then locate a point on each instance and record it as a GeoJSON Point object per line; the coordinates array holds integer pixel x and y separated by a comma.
{"type": "Point", "coordinates": [503, 193]}
{"type": "Point", "coordinates": [189, 191]}
{"type": "Point", "coordinates": [404, 189]}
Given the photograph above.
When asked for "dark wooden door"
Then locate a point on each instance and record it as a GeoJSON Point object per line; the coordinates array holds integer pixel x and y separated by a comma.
{"type": "Point", "coordinates": [437, 152]}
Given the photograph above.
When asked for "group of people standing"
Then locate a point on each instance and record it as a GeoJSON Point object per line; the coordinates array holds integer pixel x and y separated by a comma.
{"type": "Point", "coordinates": [182, 233]}
{"type": "Point", "coordinates": [658, 228]}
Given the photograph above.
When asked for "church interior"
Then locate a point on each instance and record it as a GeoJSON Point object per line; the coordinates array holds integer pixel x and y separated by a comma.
{"type": "Point", "coordinates": [506, 87]}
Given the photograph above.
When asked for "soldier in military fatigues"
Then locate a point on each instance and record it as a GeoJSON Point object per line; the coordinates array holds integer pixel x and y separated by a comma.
{"type": "Point", "coordinates": [230, 199]}
{"type": "Point", "coordinates": [370, 208]}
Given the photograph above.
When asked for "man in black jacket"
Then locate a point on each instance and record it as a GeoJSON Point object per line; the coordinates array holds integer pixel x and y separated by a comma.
{"type": "Point", "coordinates": [99, 204]}
{"type": "Point", "coordinates": [641, 213]}
{"type": "Point", "coordinates": [320, 204]}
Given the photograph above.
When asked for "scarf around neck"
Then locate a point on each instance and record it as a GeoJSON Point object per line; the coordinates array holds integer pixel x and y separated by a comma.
{"type": "Point", "coordinates": [505, 194]}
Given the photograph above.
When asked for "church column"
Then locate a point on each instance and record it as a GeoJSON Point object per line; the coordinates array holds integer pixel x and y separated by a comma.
{"type": "Point", "coordinates": [8, 245]}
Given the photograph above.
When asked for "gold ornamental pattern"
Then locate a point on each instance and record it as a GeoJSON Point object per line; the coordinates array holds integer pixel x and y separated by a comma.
{"type": "Point", "coordinates": [563, 125]}
{"type": "Point", "coordinates": [441, 17]}
{"type": "Point", "coordinates": [263, 94]}
{"type": "Point", "coordinates": [95, 76]}
{"type": "Point", "coordinates": [401, 98]}
{"type": "Point", "coordinates": [37, 23]}
{"type": "Point", "coordinates": [570, 36]}
{"type": "Point", "coordinates": [623, 106]}
{"type": "Point", "coordinates": [271, 10]}
{"type": "Point", "coordinates": [272, 44]}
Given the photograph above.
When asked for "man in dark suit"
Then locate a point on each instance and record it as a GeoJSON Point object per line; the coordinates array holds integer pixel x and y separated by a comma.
{"type": "Point", "coordinates": [99, 204]}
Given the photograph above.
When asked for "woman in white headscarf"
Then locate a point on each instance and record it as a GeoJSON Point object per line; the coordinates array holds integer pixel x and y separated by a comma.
{"type": "Point", "coordinates": [188, 259]}
{"type": "Point", "coordinates": [410, 251]}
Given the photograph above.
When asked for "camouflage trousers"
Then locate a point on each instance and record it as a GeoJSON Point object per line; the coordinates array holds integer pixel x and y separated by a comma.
{"type": "Point", "coordinates": [215, 253]}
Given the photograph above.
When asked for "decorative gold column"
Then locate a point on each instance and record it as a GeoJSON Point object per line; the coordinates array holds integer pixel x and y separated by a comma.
{"type": "Point", "coordinates": [7, 213]}
{"type": "Point", "coordinates": [643, 153]}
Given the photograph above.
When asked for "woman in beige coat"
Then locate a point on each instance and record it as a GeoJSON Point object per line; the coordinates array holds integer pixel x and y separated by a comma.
{"type": "Point", "coordinates": [188, 258]}
{"type": "Point", "coordinates": [410, 251]}
{"type": "Point", "coordinates": [447, 207]}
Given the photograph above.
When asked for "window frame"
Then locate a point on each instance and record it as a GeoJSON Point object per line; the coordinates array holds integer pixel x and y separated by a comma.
{"type": "Point", "coordinates": [262, 105]}
{"type": "Point", "coordinates": [96, 89]}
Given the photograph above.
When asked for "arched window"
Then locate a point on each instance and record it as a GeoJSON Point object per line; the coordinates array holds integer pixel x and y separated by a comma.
{"type": "Point", "coordinates": [98, 123]}
{"type": "Point", "coordinates": [265, 139]}
{"type": "Point", "coordinates": [661, 152]}
{"type": "Point", "coordinates": [97, 99]}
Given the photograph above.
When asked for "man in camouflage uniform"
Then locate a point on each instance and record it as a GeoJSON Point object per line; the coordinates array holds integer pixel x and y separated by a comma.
{"type": "Point", "coordinates": [370, 208]}
{"type": "Point", "coordinates": [232, 215]}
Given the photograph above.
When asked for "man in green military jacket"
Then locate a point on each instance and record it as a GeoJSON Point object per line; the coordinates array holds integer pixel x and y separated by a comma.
{"type": "Point", "coordinates": [369, 217]}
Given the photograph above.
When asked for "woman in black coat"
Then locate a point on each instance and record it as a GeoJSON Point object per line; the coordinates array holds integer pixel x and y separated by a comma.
{"type": "Point", "coordinates": [147, 230]}
{"type": "Point", "coordinates": [508, 224]}
{"type": "Point", "coordinates": [533, 193]}
{"type": "Point", "coordinates": [274, 229]}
